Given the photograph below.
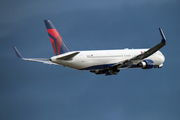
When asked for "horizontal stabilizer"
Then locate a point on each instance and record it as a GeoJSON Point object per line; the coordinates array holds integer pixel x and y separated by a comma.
{"type": "Point", "coordinates": [67, 56]}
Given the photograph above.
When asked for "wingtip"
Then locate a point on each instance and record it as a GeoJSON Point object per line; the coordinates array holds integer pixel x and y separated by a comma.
{"type": "Point", "coordinates": [17, 52]}
{"type": "Point", "coordinates": [163, 38]}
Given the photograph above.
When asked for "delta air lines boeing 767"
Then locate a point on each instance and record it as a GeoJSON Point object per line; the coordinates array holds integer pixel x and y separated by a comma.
{"type": "Point", "coordinates": [108, 62]}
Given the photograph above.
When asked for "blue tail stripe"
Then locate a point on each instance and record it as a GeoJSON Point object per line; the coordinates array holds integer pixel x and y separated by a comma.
{"type": "Point", "coordinates": [64, 48]}
{"type": "Point", "coordinates": [54, 42]}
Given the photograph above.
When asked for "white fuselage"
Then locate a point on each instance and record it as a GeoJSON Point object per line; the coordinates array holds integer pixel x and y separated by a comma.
{"type": "Point", "coordinates": [108, 62]}
{"type": "Point", "coordinates": [100, 59]}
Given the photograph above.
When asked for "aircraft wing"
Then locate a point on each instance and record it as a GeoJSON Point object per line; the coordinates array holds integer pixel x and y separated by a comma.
{"type": "Point", "coordinates": [137, 59]}
{"type": "Point", "coordinates": [42, 60]}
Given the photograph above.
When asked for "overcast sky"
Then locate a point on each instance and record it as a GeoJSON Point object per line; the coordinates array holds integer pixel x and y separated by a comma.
{"type": "Point", "coordinates": [36, 91]}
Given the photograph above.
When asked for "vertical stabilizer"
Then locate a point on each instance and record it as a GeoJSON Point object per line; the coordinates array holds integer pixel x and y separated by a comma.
{"type": "Point", "coordinates": [56, 40]}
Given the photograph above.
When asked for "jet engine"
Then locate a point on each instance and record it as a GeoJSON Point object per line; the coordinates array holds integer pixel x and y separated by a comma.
{"type": "Point", "coordinates": [146, 64]}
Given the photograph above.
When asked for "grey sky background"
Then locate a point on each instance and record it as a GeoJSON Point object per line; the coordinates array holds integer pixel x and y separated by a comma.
{"type": "Point", "coordinates": [35, 91]}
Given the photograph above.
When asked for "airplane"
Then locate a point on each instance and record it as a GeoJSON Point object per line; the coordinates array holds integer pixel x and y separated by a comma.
{"type": "Point", "coordinates": [107, 62]}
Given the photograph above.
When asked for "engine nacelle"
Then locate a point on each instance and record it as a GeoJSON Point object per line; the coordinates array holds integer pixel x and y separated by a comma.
{"type": "Point", "coordinates": [146, 64]}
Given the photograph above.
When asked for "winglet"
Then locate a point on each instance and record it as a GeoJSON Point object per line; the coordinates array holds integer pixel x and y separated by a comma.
{"type": "Point", "coordinates": [17, 52]}
{"type": "Point", "coordinates": [162, 36]}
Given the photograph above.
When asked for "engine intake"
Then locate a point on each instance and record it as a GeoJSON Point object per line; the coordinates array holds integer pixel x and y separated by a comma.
{"type": "Point", "coordinates": [146, 64]}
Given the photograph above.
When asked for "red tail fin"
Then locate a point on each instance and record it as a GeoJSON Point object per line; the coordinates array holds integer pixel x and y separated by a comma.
{"type": "Point", "coordinates": [56, 40]}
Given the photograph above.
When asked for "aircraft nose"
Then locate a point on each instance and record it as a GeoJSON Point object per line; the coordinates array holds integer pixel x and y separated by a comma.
{"type": "Point", "coordinates": [162, 58]}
